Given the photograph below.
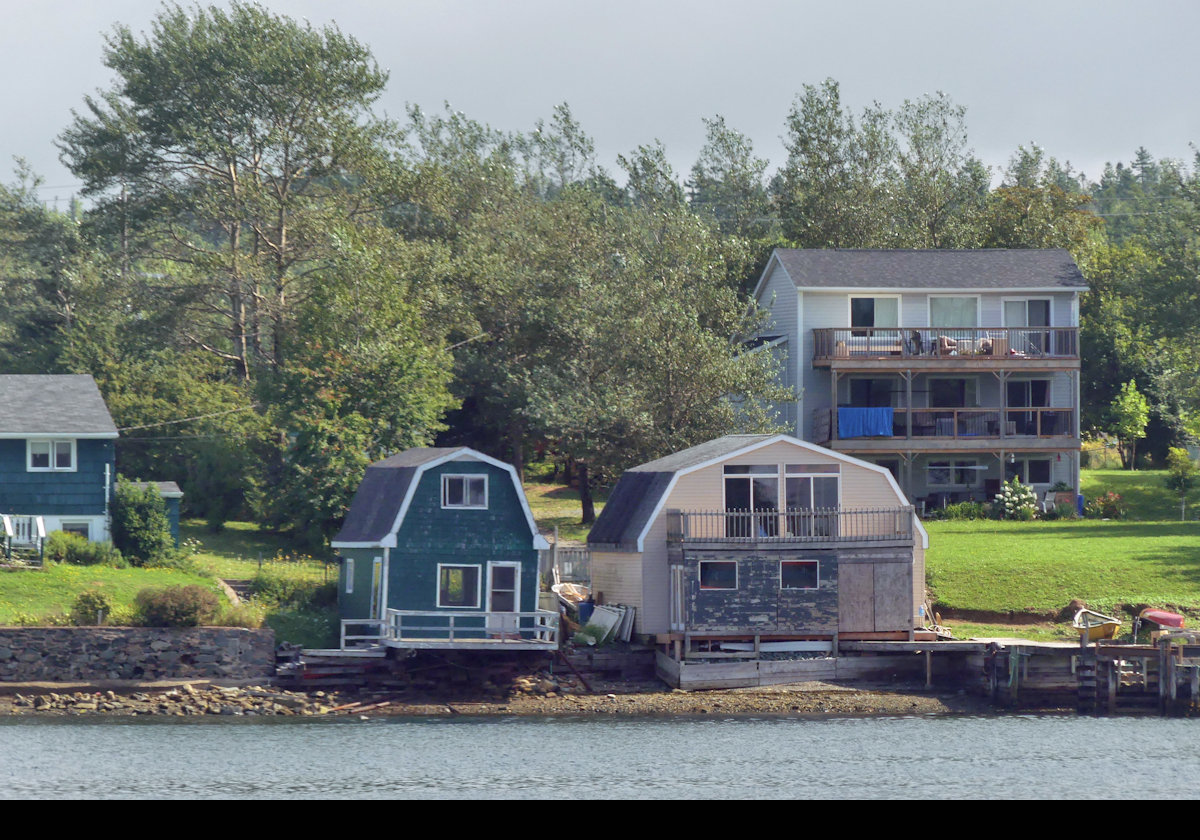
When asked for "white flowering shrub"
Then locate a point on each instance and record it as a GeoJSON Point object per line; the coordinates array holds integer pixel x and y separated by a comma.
{"type": "Point", "coordinates": [1016, 501]}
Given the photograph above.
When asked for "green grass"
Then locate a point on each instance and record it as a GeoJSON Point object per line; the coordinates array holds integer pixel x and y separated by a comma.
{"type": "Point", "coordinates": [1142, 491]}
{"type": "Point", "coordinates": [31, 596]}
{"type": "Point", "coordinates": [234, 551]}
{"type": "Point", "coordinates": [1038, 567]}
{"type": "Point", "coordinates": [1041, 632]}
{"type": "Point", "coordinates": [557, 504]}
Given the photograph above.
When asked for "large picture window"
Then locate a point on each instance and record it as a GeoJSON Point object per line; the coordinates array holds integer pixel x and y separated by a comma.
{"type": "Point", "coordinates": [464, 491]}
{"type": "Point", "coordinates": [947, 311]}
{"type": "Point", "coordinates": [47, 455]}
{"type": "Point", "coordinates": [953, 473]}
{"type": "Point", "coordinates": [458, 586]}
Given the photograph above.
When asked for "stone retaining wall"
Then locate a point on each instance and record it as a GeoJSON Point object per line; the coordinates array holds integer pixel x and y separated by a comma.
{"type": "Point", "coordinates": [66, 654]}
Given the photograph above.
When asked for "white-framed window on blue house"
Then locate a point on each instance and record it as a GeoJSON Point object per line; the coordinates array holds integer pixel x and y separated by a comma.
{"type": "Point", "coordinates": [50, 455]}
{"type": "Point", "coordinates": [458, 586]}
{"type": "Point", "coordinates": [465, 491]}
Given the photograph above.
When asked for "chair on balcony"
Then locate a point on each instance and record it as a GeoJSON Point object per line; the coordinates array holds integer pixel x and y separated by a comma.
{"type": "Point", "coordinates": [946, 346]}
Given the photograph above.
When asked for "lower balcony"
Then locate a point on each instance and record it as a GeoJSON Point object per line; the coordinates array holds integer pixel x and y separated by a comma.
{"type": "Point", "coordinates": [453, 630]}
{"type": "Point", "coordinates": [849, 423]}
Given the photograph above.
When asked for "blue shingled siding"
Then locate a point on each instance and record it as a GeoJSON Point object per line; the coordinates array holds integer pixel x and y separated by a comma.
{"type": "Point", "coordinates": [431, 535]}
{"type": "Point", "coordinates": [55, 492]}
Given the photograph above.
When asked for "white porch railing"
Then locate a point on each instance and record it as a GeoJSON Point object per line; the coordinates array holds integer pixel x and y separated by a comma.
{"type": "Point", "coordinates": [462, 628]}
{"type": "Point", "coordinates": [23, 532]}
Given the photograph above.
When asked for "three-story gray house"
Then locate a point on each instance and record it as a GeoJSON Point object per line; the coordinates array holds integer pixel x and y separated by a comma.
{"type": "Point", "coordinates": [956, 370]}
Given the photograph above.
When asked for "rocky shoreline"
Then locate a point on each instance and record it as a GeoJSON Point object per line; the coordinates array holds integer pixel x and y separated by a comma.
{"type": "Point", "coordinates": [535, 695]}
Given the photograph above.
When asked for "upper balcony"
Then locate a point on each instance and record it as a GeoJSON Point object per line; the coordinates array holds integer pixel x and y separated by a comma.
{"type": "Point", "coordinates": [946, 347]}
{"type": "Point", "coordinates": [814, 527]}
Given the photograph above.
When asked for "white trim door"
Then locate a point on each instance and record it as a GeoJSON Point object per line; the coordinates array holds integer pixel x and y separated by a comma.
{"type": "Point", "coordinates": [504, 596]}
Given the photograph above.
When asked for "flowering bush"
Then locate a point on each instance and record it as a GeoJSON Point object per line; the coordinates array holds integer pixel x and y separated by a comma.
{"type": "Point", "coordinates": [1016, 501]}
{"type": "Point", "coordinates": [1108, 506]}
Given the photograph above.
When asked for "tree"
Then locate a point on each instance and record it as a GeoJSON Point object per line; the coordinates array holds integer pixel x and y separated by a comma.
{"type": "Point", "coordinates": [1130, 414]}
{"type": "Point", "coordinates": [1181, 475]}
{"type": "Point", "coordinates": [728, 183]}
{"type": "Point", "coordinates": [831, 193]}
{"type": "Point", "coordinates": [235, 140]}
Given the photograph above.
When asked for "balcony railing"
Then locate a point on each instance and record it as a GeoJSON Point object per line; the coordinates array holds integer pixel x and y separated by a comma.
{"type": "Point", "coordinates": [460, 628]}
{"type": "Point", "coordinates": [966, 343]}
{"type": "Point", "coordinates": [945, 423]}
{"type": "Point", "coordinates": [820, 525]}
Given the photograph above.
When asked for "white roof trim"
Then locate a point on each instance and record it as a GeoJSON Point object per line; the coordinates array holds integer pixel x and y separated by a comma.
{"type": "Point", "coordinates": [803, 444]}
{"type": "Point", "coordinates": [942, 290]}
{"type": "Point", "coordinates": [48, 435]}
{"type": "Point", "coordinates": [774, 258]}
{"type": "Point", "coordinates": [461, 454]}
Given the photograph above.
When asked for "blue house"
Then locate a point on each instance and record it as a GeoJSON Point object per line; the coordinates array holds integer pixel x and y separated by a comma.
{"type": "Point", "coordinates": [439, 550]}
{"type": "Point", "coordinates": [57, 462]}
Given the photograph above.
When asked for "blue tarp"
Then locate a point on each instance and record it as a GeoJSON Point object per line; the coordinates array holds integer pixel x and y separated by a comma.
{"type": "Point", "coordinates": [864, 422]}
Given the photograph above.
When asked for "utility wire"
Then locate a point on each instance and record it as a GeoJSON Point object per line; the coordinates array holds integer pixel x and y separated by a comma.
{"type": "Point", "coordinates": [188, 419]}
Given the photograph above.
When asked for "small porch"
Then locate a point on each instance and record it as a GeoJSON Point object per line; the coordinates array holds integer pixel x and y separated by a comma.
{"type": "Point", "coordinates": [25, 534]}
{"type": "Point", "coordinates": [453, 630]}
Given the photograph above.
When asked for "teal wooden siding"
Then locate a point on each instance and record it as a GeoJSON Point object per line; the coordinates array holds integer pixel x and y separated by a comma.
{"type": "Point", "coordinates": [357, 604]}
{"type": "Point", "coordinates": [55, 492]}
{"type": "Point", "coordinates": [431, 535]}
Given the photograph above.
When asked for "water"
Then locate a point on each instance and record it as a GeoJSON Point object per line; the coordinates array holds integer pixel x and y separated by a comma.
{"type": "Point", "coordinates": [577, 758]}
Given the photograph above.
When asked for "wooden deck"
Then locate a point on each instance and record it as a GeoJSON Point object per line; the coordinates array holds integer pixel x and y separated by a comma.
{"type": "Point", "coordinates": [453, 630]}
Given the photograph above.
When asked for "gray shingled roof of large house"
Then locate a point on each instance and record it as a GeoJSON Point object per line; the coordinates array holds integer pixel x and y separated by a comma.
{"type": "Point", "coordinates": [640, 489]}
{"type": "Point", "coordinates": [32, 405]}
{"type": "Point", "coordinates": [999, 268]}
{"type": "Point", "coordinates": [377, 501]}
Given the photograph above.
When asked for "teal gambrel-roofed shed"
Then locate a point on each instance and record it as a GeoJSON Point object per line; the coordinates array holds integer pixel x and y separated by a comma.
{"type": "Point", "coordinates": [439, 549]}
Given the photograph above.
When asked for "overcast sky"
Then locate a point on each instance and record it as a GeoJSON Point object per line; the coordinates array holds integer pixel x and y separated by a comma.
{"type": "Point", "coordinates": [1088, 81]}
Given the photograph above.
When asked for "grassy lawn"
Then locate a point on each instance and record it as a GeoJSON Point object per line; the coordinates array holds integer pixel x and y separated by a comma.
{"type": "Point", "coordinates": [1039, 567]}
{"type": "Point", "coordinates": [235, 551]}
{"type": "Point", "coordinates": [29, 596]}
{"type": "Point", "coordinates": [557, 504]}
{"type": "Point", "coordinates": [1142, 491]}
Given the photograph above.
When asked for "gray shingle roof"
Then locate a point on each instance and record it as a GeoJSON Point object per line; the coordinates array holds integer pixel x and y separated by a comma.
{"type": "Point", "coordinates": [935, 269]}
{"type": "Point", "coordinates": [639, 490]}
{"type": "Point", "coordinates": [377, 501]}
{"type": "Point", "coordinates": [53, 405]}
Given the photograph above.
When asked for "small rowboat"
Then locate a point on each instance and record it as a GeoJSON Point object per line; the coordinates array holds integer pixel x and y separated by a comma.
{"type": "Point", "coordinates": [1161, 617]}
{"type": "Point", "coordinates": [1096, 625]}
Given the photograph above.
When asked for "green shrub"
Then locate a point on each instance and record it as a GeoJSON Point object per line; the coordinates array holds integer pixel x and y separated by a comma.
{"type": "Point", "coordinates": [963, 510]}
{"type": "Point", "coordinates": [1015, 501]}
{"type": "Point", "coordinates": [90, 607]}
{"type": "Point", "coordinates": [177, 606]}
{"type": "Point", "coordinates": [247, 615]}
{"type": "Point", "coordinates": [141, 529]}
{"type": "Point", "coordinates": [1106, 506]}
{"type": "Point", "coordinates": [288, 590]}
{"type": "Point", "coordinates": [1061, 511]}
{"type": "Point", "coordinates": [62, 547]}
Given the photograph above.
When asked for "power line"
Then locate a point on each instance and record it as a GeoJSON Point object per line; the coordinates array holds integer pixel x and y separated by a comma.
{"type": "Point", "coordinates": [185, 420]}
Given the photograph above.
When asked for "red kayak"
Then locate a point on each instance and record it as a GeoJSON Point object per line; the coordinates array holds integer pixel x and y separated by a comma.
{"type": "Point", "coordinates": [1161, 617]}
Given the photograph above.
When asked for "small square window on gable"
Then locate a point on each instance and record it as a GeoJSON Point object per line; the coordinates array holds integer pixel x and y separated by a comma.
{"type": "Point", "coordinates": [465, 491]}
{"type": "Point", "coordinates": [51, 455]}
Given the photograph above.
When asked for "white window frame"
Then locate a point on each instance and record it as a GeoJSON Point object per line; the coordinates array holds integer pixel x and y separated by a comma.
{"type": "Point", "coordinates": [81, 524]}
{"type": "Point", "coordinates": [478, 586]}
{"type": "Point", "coordinates": [929, 312]}
{"type": "Point", "coordinates": [968, 465]}
{"type": "Point", "coordinates": [466, 478]}
{"type": "Point", "coordinates": [816, 563]}
{"type": "Point", "coordinates": [1023, 473]}
{"type": "Point", "coordinates": [736, 576]}
{"type": "Point", "coordinates": [1025, 300]}
{"type": "Point", "coordinates": [850, 310]}
{"type": "Point", "coordinates": [53, 444]}
{"type": "Point", "coordinates": [348, 565]}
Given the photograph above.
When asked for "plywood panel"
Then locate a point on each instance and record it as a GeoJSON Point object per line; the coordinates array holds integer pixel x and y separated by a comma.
{"type": "Point", "coordinates": [856, 598]}
{"type": "Point", "coordinates": [893, 610]}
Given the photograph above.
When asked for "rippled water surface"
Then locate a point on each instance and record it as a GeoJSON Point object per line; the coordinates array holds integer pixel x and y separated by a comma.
{"type": "Point", "coordinates": [567, 758]}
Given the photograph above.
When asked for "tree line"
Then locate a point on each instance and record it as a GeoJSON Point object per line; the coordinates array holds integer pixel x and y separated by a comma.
{"type": "Point", "coordinates": [274, 286]}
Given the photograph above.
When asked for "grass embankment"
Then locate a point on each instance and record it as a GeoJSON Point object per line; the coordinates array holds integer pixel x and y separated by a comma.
{"type": "Point", "coordinates": [1031, 570]}
{"type": "Point", "coordinates": [45, 596]}
{"type": "Point", "coordinates": [293, 607]}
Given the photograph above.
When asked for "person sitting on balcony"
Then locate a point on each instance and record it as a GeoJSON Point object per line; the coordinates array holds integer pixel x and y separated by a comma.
{"type": "Point", "coordinates": [985, 347]}
{"type": "Point", "coordinates": [947, 346]}
{"type": "Point", "coordinates": [914, 343]}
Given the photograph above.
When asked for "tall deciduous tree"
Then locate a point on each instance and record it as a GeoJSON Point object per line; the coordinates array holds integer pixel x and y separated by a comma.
{"type": "Point", "coordinates": [237, 137]}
